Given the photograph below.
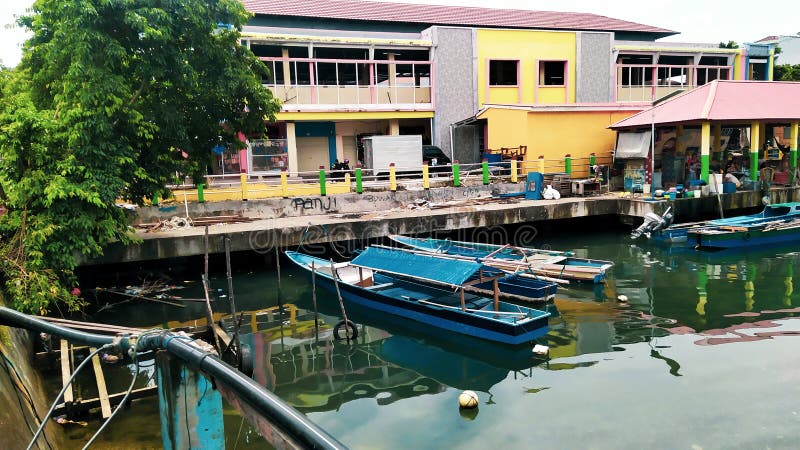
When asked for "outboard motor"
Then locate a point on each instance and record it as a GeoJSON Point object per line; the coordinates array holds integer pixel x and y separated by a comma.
{"type": "Point", "coordinates": [652, 223]}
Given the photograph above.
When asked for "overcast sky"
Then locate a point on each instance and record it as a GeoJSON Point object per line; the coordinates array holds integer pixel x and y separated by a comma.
{"type": "Point", "coordinates": [710, 21]}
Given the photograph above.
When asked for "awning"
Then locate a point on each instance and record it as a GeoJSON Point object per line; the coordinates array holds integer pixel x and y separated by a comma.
{"type": "Point", "coordinates": [431, 268]}
{"type": "Point", "coordinates": [632, 145]}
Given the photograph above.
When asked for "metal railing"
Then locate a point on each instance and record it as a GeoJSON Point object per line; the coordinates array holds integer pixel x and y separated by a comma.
{"type": "Point", "coordinates": [358, 180]}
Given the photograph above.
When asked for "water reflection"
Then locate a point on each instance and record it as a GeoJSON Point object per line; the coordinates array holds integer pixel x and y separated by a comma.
{"type": "Point", "coordinates": [687, 314]}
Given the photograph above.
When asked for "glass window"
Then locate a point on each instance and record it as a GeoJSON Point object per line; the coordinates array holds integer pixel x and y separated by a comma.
{"type": "Point", "coordinates": [503, 73]}
{"type": "Point", "coordinates": [552, 73]}
{"type": "Point", "coordinates": [268, 155]}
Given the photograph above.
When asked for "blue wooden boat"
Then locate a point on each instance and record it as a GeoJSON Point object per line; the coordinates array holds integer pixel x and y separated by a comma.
{"type": "Point", "coordinates": [428, 291]}
{"type": "Point", "coordinates": [770, 226]}
{"type": "Point", "coordinates": [547, 264]}
{"type": "Point", "coordinates": [521, 287]}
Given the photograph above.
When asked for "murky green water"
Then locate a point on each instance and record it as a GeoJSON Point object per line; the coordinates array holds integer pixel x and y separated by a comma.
{"type": "Point", "coordinates": [703, 355]}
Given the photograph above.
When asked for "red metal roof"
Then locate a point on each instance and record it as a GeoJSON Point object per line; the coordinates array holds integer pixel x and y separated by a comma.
{"type": "Point", "coordinates": [724, 100]}
{"type": "Point", "coordinates": [445, 15]}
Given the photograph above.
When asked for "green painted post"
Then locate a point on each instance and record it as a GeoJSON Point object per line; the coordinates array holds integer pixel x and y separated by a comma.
{"type": "Point", "coordinates": [705, 165]}
{"type": "Point", "coordinates": [155, 198]}
{"type": "Point", "coordinates": [592, 159]}
{"type": "Point", "coordinates": [456, 174]}
{"type": "Point", "coordinates": [754, 165]}
{"type": "Point", "coordinates": [200, 196]}
{"type": "Point", "coordinates": [359, 187]}
{"type": "Point", "coordinates": [485, 167]}
{"type": "Point", "coordinates": [322, 180]}
{"type": "Point", "coordinates": [568, 164]}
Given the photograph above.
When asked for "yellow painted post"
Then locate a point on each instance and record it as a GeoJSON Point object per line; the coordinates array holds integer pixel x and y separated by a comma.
{"type": "Point", "coordinates": [426, 182]}
{"type": "Point", "coordinates": [514, 170]}
{"type": "Point", "coordinates": [243, 178]}
{"type": "Point", "coordinates": [541, 163]}
{"type": "Point", "coordinates": [793, 146]}
{"type": "Point", "coordinates": [755, 128]}
{"type": "Point", "coordinates": [347, 181]}
{"type": "Point", "coordinates": [392, 178]}
{"type": "Point", "coordinates": [680, 148]}
{"type": "Point", "coordinates": [284, 182]}
{"type": "Point", "coordinates": [705, 144]}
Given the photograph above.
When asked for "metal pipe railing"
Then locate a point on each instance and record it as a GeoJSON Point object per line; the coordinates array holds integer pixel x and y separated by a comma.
{"type": "Point", "coordinates": [284, 417]}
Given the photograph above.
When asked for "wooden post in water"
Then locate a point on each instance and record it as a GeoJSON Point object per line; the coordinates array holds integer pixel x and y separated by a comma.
{"type": "Point", "coordinates": [496, 295]}
{"type": "Point", "coordinates": [190, 407]}
{"type": "Point", "coordinates": [231, 299]}
{"type": "Point", "coordinates": [463, 303]}
{"type": "Point", "coordinates": [314, 298]}
{"type": "Point", "coordinates": [335, 275]}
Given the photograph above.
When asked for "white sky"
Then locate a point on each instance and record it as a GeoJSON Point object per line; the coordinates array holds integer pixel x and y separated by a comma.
{"type": "Point", "coordinates": [710, 21]}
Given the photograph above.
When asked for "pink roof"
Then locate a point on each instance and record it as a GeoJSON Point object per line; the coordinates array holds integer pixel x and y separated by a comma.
{"type": "Point", "coordinates": [445, 15]}
{"type": "Point", "coordinates": [725, 100]}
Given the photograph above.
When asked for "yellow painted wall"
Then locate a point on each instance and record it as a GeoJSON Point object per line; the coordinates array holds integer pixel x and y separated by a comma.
{"type": "Point", "coordinates": [528, 47]}
{"type": "Point", "coordinates": [507, 127]}
{"type": "Point", "coordinates": [737, 66]}
{"type": "Point", "coordinates": [551, 94]}
{"type": "Point", "coordinates": [504, 95]}
{"type": "Point", "coordinates": [554, 134]}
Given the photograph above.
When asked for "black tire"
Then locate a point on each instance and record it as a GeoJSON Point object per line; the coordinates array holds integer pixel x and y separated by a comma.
{"type": "Point", "coordinates": [351, 335]}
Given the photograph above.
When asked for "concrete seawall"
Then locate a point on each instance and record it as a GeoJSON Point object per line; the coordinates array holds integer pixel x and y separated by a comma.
{"type": "Point", "coordinates": [282, 224]}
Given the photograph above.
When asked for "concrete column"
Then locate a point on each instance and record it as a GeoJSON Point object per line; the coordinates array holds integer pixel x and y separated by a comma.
{"type": "Point", "coordinates": [394, 127]}
{"type": "Point", "coordinates": [717, 137]}
{"type": "Point", "coordinates": [339, 148]}
{"type": "Point", "coordinates": [705, 146]}
{"type": "Point", "coordinates": [793, 147]}
{"type": "Point", "coordinates": [755, 138]}
{"type": "Point", "coordinates": [392, 69]}
{"type": "Point", "coordinates": [190, 407]}
{"type": "Point", "coordinates": [291, 144]}
{"type": "Point", "coordinates": [287, 73]}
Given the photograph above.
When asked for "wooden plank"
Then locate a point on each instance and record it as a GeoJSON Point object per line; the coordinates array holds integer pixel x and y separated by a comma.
{"type": "Point", "coordinates": [65, 372]}
{"type": "Point", "coordinates": [102, 392]}
{"type": "Point", "coordinates": [114, 399]}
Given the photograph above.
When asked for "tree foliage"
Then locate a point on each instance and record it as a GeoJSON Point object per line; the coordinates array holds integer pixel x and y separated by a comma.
{"type": "Point", "coordinates": [111, 100]}
{"type": "Point", "coordinates": [729, 44]}
{"type": "Point", "coordinates": [786, 72]}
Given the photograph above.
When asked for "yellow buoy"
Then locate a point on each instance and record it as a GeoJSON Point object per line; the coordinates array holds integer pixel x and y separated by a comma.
{"type": "Point", "coordinates": [468, 400]}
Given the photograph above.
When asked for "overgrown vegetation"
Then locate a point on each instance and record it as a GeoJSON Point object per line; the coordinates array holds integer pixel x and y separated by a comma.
{"type": "Point", "coordinates": [786, 72]}
{"type": "Point", "coordinates": [112, 100]}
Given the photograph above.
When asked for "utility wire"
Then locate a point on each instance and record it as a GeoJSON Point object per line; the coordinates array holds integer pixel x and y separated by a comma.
{"type": "Point", "coordinates": [119, 406]}
{"type": "Point", "coordinates": [64, 389]}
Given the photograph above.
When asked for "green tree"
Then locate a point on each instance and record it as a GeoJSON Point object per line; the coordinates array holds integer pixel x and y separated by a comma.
{"type": "Point", "coordinates": [786, 72]}
{"type": "Point", "coordinates": [729, 44]}
{"type": "Point", "coordinates": [112, 99]}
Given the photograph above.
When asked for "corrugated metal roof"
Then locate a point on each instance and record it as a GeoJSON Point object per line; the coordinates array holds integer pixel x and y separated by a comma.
{"type": "Point", "coordinates": [445, 15]}
{"type": "Point", "coordinates": [724, 100]}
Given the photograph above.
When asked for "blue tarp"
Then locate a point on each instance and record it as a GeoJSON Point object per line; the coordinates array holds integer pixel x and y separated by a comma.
{"type": "Point", "coordinates": [430, 268]}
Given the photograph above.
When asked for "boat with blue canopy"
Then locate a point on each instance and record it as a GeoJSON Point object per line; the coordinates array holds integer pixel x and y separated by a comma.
{"type": "Point", "coordinates": [545, 264]}
{"type": "Point", "coordinates": [427, 290]}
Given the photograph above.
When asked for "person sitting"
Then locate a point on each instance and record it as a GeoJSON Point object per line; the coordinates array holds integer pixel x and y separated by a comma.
{"type": "Point", "coordinates": [731, 178]}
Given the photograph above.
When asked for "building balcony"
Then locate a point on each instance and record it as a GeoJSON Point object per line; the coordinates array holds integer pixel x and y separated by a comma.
{"type": "Point", "coordinates": [635, 82]}
{"type": "Point", "coordinates": [309, 84]}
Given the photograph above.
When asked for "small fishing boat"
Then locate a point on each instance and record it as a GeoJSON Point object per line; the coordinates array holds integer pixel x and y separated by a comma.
{"type": "Point", "coordinates": [545, 264]}
{"type": "Point", "coordinates": [431, 292]}
{"type": "Point", "coordinates": [772, 225]}
{"type": "Point", "coordinates": [751, 235]}
{"type": "Point", "coordinates": [521, 287]}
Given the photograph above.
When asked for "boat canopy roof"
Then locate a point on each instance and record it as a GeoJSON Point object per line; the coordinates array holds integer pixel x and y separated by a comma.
{"type": "Point", "coordinates": [431, 268]}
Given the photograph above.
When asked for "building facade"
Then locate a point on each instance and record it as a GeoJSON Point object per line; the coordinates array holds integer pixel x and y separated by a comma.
{"type": "Point", "coordinates": [466, 79]}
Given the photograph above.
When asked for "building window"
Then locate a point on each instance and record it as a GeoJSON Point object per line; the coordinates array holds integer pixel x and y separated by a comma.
{"type": "Point", "coordinates": [503, 73]}
{"type": "Point", "coordinates": [267, 155]}
{"type": "Point", "coordinates": [552, 73]}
